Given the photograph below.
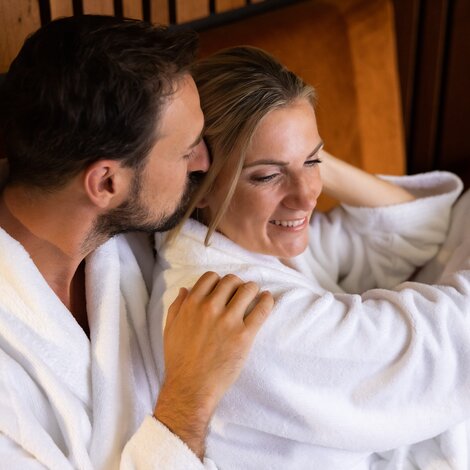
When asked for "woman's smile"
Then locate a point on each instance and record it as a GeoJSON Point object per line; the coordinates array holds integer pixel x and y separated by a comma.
{"type": "Point", "coordinates": [293, 225]}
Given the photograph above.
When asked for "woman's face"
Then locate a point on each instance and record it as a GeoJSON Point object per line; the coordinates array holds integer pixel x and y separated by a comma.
{"type": "Point", "coordinates": [279, 184]}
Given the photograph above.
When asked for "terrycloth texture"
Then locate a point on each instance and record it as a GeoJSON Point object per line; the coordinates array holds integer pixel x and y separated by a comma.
{"type": "Point", "coordinates": [333, 377]}
{"type": "Point", "coordinates": [67, 402]}
{"type": "Point", "coordinates": [451, 449]}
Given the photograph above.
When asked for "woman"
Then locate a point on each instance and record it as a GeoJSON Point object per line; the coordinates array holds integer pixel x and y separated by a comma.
{"type": "Point", "coordinates": [333, 376]}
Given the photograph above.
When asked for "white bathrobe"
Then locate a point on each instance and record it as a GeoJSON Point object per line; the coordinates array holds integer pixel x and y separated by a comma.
{"type": "Point", "coordinates": [67, 402]}
{"type": "Point", "coordinates": [335, 376]}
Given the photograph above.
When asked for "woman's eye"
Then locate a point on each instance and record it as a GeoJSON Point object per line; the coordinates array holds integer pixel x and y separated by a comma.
{"type": "Point", "coordinates": [313, 162]}
{"type": "Point", "coordinates": [264, 179]}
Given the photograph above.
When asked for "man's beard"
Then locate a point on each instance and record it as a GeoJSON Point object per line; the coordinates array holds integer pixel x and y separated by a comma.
{"type": "Point", "coordinates": [134, 216]}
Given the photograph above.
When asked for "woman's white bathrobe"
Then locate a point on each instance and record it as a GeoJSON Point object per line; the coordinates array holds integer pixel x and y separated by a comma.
{"type": "Point", "coordinates": [70, 403]}
{"type": "Point", "coordinates": [334, 376]}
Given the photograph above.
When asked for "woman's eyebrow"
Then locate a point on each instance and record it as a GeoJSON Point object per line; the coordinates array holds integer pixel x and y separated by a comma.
{"type": "Point", "coordinates": [280, 162]}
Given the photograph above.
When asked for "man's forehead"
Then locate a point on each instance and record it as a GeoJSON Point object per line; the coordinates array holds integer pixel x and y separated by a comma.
{"type": "Point", "coordinates": [181, 116]}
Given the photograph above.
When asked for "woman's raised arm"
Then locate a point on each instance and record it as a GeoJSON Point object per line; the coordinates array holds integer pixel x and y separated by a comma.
{"type": "Point", "coordinates": [355, 187]}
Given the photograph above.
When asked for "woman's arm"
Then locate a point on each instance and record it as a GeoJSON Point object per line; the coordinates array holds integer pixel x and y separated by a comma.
{"type": "Point", "coordinates": [359, 248]}
{"type": "Point", "coordinates": [349, 372]}
{"type": "Point", "coordinates": [355, 187]}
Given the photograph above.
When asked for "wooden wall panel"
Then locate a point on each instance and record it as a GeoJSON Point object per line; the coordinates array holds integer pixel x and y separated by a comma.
{"type": "Point", "coordinates": [428, 85]}
{"type": "Point", "coordinates": [18, 19]}
{"type": "Point", "coordinates": [453, 152]}
{"type": "Point", "coordinates": [61, 8]}
{"type": "Point", "coordinates": [98, 7]}
{"type": "Point", "coordinates": [226, 5]}
{"type": "Point", "coordinates": [159, 13]}
{"type": "Point", "coordinates": [132, 9]}
{"type": "Point", "coordinates": [406, 26]}
{"type": "Point", "coordinates": [434, 60]}
{"type": "Point", "coordinates": [188, 11]}
{"type": "Point", "coordinates": [350, 61]}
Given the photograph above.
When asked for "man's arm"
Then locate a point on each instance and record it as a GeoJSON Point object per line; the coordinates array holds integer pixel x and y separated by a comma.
{"type": "Point", "coordinates": [206, 341]}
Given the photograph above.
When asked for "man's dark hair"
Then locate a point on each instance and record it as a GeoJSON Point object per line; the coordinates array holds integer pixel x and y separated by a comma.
{"type": "Point", "coordinates": [87, 88]}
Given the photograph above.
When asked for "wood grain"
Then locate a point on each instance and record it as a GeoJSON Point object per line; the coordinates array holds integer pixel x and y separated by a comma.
{"type": "Point", "coordinates": [61, 8]}
{"type": "Point", "coordinates": [227, 5]}
{"type": "Point", "coordinates": [191, 10]}
{"type": "Point", "coordinates": [132, 9]}
{"type": "Point", "coordinates": [159, 13]}
{"type": "Point", "coordinates": [17, 21]}
{"type": "Point", "coordinates": [98, 7]}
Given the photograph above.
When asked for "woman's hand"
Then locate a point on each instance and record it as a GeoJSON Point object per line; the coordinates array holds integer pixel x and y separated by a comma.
{"type": "Point", "coordinates": [207, 337]}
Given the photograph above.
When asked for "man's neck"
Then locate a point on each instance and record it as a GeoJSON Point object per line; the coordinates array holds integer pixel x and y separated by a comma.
{"type": "Point", "coordinates": [53, 233]}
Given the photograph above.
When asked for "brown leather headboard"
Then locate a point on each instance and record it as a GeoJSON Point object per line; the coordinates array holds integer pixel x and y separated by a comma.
{"type": "Point", "coordinates": [346, 50]}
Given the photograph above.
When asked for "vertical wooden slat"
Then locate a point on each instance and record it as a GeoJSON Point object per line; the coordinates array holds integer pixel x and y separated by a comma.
{"type": "Point", "coordinates": [61, 8]}
{"type": "Point", "coordinates": [188, 10]}
{"type": "Point", "coordinates": [453, 152]}
{"type": "Point", "coordinates": [159, 13]}
{"type": "Point", "coordinates": [428, 86]}
{"type": "Point", "coordinates": [98, 7]}
{"type": "Point", "coordinates": [132, 9]}
{"type": "Point", "coordinates": [225, 5]}
{"type": "Point", "coordinates": [407, 31]}
{"type": "Point", "coordinates": [17, 20]}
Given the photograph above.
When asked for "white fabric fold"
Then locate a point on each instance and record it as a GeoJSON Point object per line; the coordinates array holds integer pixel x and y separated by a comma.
{"type": "Point", "coordinates": [70, 403]}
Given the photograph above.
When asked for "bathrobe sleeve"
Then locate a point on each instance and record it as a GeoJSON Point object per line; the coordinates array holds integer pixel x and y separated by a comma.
{"type": "Point", "coordinates": [360, 373]}
{"type": "Point", "coordinates": [357, 372]}
{"type": "Point", "coordinates": [359, 248]}
{"type": "Point", "coordinates": [154, 447]}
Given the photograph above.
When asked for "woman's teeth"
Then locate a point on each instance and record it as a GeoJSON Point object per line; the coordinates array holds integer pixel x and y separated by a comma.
{"type": "Point", "coordinates": [288, 223]}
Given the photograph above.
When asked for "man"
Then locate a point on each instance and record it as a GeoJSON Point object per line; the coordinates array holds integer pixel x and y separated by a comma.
{"type": "Point", "coordinates": [101, 127]}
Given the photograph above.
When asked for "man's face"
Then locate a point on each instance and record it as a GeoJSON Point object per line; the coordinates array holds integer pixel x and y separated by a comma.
{"type": "Point", "coordinates": [160, 191]}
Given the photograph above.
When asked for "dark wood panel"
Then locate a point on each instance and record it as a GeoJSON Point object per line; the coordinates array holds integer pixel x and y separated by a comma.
{"type": "Point", "coordinates": [407, 31]}
{"type": "Point", "coordinates": [428, 85]}
{"type": "Point", "coordinates": [454, 139]}
{"type": "Point", "coordinates": [434, 61]}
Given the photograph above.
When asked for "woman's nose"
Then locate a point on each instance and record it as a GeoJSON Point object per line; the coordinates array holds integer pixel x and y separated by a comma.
{"type": "Point", "coordinates": [200, 159]}
{"type": "Point", "coordinates": [303, 192]}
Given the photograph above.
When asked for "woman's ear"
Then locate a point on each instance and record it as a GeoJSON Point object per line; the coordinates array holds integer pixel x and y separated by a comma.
{"type": "Point", "coordinates": [107, 183]}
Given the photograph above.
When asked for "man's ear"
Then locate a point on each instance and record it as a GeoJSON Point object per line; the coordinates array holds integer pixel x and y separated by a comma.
{"type": "Point", "coordinates": [202, 203]}
{"type": "Point", "coordinates": [106, 183]}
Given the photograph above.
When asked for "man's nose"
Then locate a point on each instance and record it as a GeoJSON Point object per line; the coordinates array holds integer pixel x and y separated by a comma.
{"type": "Point", "coordinates": [200, 159]}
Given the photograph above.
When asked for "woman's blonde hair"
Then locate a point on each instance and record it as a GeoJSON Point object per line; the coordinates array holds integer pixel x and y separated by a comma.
{"type": "Point", "coordinates": [238, 87]}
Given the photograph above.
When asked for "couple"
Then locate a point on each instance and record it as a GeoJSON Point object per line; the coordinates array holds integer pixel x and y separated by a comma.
{"type": "Point", "coordinates": [101, 119]}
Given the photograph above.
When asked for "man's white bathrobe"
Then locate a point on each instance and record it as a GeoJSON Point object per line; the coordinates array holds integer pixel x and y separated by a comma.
{"type": "Point", "coordinates": [67, 402]}
{"type": "Point", "coordinates": [333, 375]}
